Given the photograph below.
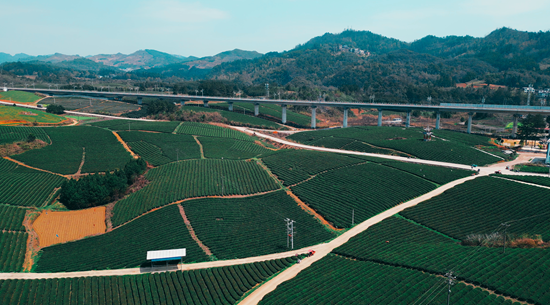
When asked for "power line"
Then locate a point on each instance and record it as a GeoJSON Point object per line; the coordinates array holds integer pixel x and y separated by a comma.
{"type": "Point", "coordinates": [437, 287]}
{"type": "Point", "coordinates": [441, 281]}
{"type": "Point", "coordinates": [289, 233]}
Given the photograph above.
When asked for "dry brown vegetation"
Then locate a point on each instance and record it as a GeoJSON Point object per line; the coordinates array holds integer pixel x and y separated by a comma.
{"type": "Point", "coordinates": [523, 241]}
{"type": "Point", "coordinates": [20, 147]}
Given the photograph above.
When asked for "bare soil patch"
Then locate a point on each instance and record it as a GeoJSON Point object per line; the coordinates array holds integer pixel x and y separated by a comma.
{"type": "Point", "coordinates": [60, 227]}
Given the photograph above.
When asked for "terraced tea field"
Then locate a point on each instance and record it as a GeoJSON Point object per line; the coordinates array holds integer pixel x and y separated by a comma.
{"type": "Point", "coordinates": [163, 148]}
{"type": "Point", "coordinates": [191, 179]}
{"type": "Point", "coordinates": [398, 242]}
{"type": "Point", "coordinates": [92, 105]}
{"type": "Point", "coordinates": [237, 118]}
{"type": "Point", "coordinates": [12, 251]}
{"type": "Point", "coordinates": [64, 155]}
{"type": "Point", "coordinates": [9, 134]}
{"type": "Point", "coordinates": [363, 190]}
{"type": "Point", "coordinates": [217, 148]}
{"type": "Point", "coordinates": [124, 247]}
{"type": "Point", "coordinates": [403, 140]}
{"type": "Point", "coordinates": [252, 225]}
{"type": "Point", "coordinates": [122, 125]}
{"type": "Point", "coordinates": [225, 285]}
{"type": "Point", "coordinates": [346, 283]}
{"type": "Point", "coordinates": [225, 197]}
{"type": "Point", "coordinates": [22, 186]}
{"type": "Point", "coordinates": [199, 129]}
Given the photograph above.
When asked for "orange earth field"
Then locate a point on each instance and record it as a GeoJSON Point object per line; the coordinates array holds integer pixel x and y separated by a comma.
{"type": "Point", "coordinates": [59, 227]}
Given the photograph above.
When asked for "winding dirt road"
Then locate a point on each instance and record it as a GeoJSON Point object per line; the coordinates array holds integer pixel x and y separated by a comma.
{"type": "Point", "coordinates": [321, 249]}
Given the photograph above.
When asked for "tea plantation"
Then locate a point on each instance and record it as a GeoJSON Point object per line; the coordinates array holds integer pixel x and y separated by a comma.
{"type": "Point", "coordinates": [224, 285]}
{"type": "Point", "coordinates": [122, 125]}
{"type": "Point", "coordinates": [338, 280]}
{"type": "Point", "coordinates": [22, 186]}
{"type": "Point", "coordinates": [225, 197]}
{"type": "Point", "coordinates": [366, 189]}
{"type": "Point", "coordinates": [192, 179]}
{"type": "Point", "coordinates": [402, 141]}
{"type": "Point", "coordinates": [481, 205]}
{"type": "Point", "coordinates": [162, 148]}
{"type": "Point", "coordinates": [403, 244]}
{"type": "Point", "coordinates": [124, 247]}
{"type": "Point", "coordinates": [102, 151]}
{"type": "Point", "coordinates": [252, 225]}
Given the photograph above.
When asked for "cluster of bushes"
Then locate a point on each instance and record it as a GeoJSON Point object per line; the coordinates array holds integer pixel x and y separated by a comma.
{"type": "Point", "coordinates": [55, 109]}
{"type": "Point", "coordinates": [524, 241]}
{"type": "Point", "coordinates": [191, 116]}
{"type": "Point", "coordinates": [95, 190]}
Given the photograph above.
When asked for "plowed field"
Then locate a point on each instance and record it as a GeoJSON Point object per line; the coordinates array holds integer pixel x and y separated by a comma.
{"type": "Point", "coordinates": [59, 227]}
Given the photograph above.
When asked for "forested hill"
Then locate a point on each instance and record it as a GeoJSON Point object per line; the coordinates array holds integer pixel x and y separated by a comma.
{"type": "Point", "coordinates": [399, 71]}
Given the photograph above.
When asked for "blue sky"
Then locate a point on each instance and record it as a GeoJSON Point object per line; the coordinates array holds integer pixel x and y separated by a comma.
{"type": "Point", "coordinates": [203, 28]}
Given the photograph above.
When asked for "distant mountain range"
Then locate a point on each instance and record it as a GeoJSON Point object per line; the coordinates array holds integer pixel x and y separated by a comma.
{"type": "Point", "coordinates": [142, 59]}
{"type": "Point", "coordinates": [352, 65]}
{"type": "Point", "coordinates": [505, 56]}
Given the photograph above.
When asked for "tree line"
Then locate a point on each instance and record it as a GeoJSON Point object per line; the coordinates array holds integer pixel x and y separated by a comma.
{"type": "Point", "coordinates": [96, 190]}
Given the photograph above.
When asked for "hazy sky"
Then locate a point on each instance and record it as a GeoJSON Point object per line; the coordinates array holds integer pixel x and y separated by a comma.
{"type": "Point", "coordinates": [202, 28]}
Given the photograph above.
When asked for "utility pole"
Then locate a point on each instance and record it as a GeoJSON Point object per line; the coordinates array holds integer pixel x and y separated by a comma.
{"type": "Point", "coordinates": [267, 90]}
{"type": "Point", "coordinates": [450, 282]}
{"type": "Point", "coordinates": [352, 217]}
{"type": "Point", "coordinates": [128, 126]}
{"type": "Point", "coordinates": [529, 94]}
{"type": "Point", "coordinates": [505, 225]}
{"type": "Point", "coordinates": [289, 233]}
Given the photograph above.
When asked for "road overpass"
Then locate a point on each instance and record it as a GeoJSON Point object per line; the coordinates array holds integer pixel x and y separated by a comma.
{"type": "Point", "coordinates": [515, 110]}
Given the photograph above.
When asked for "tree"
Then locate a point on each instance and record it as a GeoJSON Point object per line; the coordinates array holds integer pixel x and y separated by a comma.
{"type": "Point", "coordinates": [55, 109]}
{"type": "Point", "coordinates": [96, 190]}
{"type": "Point", "coordinates": [31, 138]}
{"type": "Point", "coordinates": [531, 126]}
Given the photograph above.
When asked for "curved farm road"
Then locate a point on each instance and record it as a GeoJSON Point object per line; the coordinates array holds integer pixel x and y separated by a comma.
{"type": "Point", "coordinates": [484, 170]}
{"type": "Point", "coordinates": [321, 250]}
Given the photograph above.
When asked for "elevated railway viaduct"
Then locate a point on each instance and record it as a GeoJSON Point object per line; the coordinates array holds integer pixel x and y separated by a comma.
{"type": "Point", "coordinates": [516, 110]}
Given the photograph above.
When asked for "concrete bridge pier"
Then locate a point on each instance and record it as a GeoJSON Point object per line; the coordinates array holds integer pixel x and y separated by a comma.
{"type": "Point", "coordinates": [205, 104]}
{"type": "Point", "coordinates": [379, 117]}
{"type": "Point", "coordinates": [230, 106]}
{"type": "Point", "coordinates": [283, 110]}
{"type": "Point", "coordinates": [469, 130]}
{"type": "Point", "coordinates": [256, 109]}
{"type": "Point", "coordinates": [313, 118]}
{"type": "Point", "coordinates": [515, 128]}
{"type": "Point", "coordinates": [408, 122]}
{"type": "Point", "coordinates": [437, 119]}
{"type": "Point", "coordinates": [345, 123]}
{"type": "Point", "coordinates": [139, 100]}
